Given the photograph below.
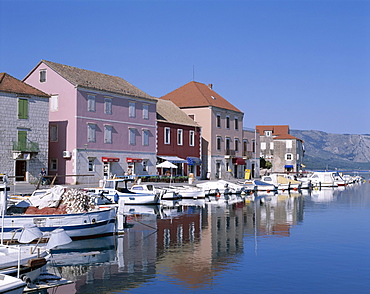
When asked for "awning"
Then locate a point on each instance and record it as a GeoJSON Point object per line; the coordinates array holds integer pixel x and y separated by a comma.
{"type": "Point", "coordinates": [110, 159]}
{"type": "Point", "coordinates": [239, 161]}
{"type": "Point", "coordinates": [193, 160]}
{"type": "Point", "coordinates": [173, 159]}
{"type": "Point", "coordinates": [288, 166]}
{"type": "Point", "coordinates": [132, 160]}
{"type": "Point", "coordinates": [166, 164]}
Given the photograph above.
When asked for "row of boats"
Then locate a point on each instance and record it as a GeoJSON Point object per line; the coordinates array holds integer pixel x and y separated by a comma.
{"type": "Point", "coordinates": [56, 216]}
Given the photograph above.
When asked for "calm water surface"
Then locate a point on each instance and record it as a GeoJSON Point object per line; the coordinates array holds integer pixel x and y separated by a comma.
{"type": "Point", "coordinates": [309, 242]}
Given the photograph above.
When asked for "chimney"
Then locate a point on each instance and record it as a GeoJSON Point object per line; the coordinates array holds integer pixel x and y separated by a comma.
{"type": "Point", "coordinates": [210, 86]}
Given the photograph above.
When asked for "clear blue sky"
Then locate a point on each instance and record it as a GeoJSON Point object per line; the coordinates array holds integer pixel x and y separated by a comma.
{"type": "Point", "coordinates": [301, 63]}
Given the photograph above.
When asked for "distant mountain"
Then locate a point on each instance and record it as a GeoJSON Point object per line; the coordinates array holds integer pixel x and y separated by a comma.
{"type": "Point", "coordinates": [330, 151]}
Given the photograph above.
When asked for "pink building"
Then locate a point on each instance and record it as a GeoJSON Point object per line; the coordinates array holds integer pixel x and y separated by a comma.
{"type": "Point", "coordinates": [100, 125]}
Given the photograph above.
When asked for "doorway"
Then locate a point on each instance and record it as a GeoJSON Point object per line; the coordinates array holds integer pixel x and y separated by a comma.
{"type": "Point", "coordinates": [20, 170]}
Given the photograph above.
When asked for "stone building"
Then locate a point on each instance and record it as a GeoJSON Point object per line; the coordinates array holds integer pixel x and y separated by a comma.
{"type": "Point", "coordinates": [24, 130]}
{"type": "Point", "coordinates": [283, 150]}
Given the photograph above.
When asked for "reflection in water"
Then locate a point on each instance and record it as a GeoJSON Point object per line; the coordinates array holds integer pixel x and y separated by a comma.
{"type": "Point", "coordinates": [190, 246]}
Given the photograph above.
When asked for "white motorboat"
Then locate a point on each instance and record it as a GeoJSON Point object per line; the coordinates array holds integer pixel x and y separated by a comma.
{"type": "Point", "coordinates": [282, 182]}
{"type": "Point", "coordinates": [115, 189]}
{"type": "Point", "coordinates": [11, 285]}
{"type": "Point", "coordinates": [261, 185]}
{"type": "Point", "coordinates": [70, 213]}
{"type": "Point", "coordinates": [325, 179]}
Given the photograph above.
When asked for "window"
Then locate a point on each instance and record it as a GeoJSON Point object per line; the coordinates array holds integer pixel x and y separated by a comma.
{"type": "Point", "coordinates": [271, 145]}
{"type": "Point", "coordinates": [146, 137]}
{"type": "Point", "coordinates": [42, 75]}
{"type": "Point", "coordinates": [108, 134]}
{"type": "Point", "coordinates": [167, 136]}
{"type": "Point", "coordinates": [228, 122]}
{"type": "Point", "coordinates": [132, 109]}
{"type": "Point", "coordinates": [22, 140]}
{"type": "Point", "coordinates": [192, 116]}
{"type": "Point", "coordinates": [54, 103]}
{"type": "Point", "coordinates": [145, 111]}
{"type": "Point", "coordinates": [236, 122]}
{"type": "Point", "coordinates": [218, 120]}
{"type": "Point", "coordinates": [22, 108]}
{"type": "Point", "coordinates": [91, 133]}
{"type": "Point", "coordinates": [268, 133]}
{"type": "Point", "coordinates": [236, 143]}
{"type": "Point", "coordinates": [179, 137]}
{"type": "Point", "coordinates": [218, 143]}
{"type": "Point", "coordinates": [263, 145]}
{"type": "Point", "coordinates": [91, 103]}
{"type": "Point", "coordinates": [192, 138]}
{"type": "Point", "coordinates": [132, 136]}
{"type": "Point", "coordinates": [53, 133]}
{"type": "Point", "coordinates": [227, 145]}
{"type": "Point", "coordinates": [145, 165]}
{"type": "Point", "coordinates": [91, 164]}
{"type": "Point", "coordinates": [289, 156]}
{"type": "Point", "coordinates": [289, 143]}
{"type": "Point", "coordinates": [53, 164]}
{"type": "Point", "coordinates": [108, 105]}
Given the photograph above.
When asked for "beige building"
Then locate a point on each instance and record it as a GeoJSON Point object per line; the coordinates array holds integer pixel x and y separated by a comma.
{"type": "Point", "coordinates": [222, 129]}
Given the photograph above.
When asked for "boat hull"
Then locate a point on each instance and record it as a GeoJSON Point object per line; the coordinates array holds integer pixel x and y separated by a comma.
{"type": "Point", "coordinates": [77, 226]}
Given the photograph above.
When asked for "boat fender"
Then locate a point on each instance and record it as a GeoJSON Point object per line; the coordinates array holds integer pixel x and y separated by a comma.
{"type": "Point", "coordinates": [218, 195]}
{"type": "Point", "coordinates": [268, 190]}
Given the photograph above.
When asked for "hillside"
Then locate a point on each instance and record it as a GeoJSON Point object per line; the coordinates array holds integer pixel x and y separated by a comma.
{"type": "Point", "coordinates": [329, 151]}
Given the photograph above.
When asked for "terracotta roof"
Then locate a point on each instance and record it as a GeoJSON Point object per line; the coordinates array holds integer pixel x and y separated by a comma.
{"type": "Point", "coordinates": [95, 80]}
{"type": "Point", "coordinates": [276, 130]}
{"type": "Point", "coordinates": [194, 94]}
{"type": "Point", "coordinates": [167, 111]}
{"type": "Point", "coordinates": [10, 84]}
{"type": "Point", "coordinates": [280, 132]}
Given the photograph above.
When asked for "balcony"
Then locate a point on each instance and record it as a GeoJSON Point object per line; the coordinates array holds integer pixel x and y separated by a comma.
{"type": "Point", "coordinates": [247, 154]}
{"type": "Point", "coordinates": [31, 147]}
{"type": "Point", "coordinates": [229, 153]}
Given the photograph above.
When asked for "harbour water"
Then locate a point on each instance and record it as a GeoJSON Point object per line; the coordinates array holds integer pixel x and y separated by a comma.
{"type": "Point", "coordinates": [299, 242]}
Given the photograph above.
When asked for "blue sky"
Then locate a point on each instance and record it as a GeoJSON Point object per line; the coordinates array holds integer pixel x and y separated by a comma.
{"type": "Point", "coordinates": [301, 63]}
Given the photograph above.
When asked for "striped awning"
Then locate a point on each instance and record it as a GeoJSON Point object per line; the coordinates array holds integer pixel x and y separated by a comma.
{"type": "Point", "coordinates": [193, 160]}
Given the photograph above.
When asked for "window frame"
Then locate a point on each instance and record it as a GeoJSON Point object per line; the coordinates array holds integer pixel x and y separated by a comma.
{"type": "Point", "coordinates": [227, 123]}
{"type": "Point", "coordinates": [23, 108]}
{"type": "Point", "coordinates": [218, 143]}
{"type": "Point", "coordinates": [167, 136]}
{"type": "Point", "coordinates": [91, 103]}
{"type": "Point", "coordinates": [108, 102]}
{"type": "Point", "coordinates": [108, 131]}
{"type": "Point", "coordinates": [53, 162]}
{"type": "Point", "coordinates": [218, 120]}
{"type": "Point", "coordinates": [132, 136]}
{"type": "Point", "coordinates": [145, 135]}
{"type": "Point", "coordinates": [42, 75]}
{"type": "Point", "coordinates": [180, 137]}
{"type": "Point", "coordinates": [54, 103]}
{"type": "Point", "coordinates": [191, 138]}
{"type": "Point", "coordinates": [132, 109]}
{"type": "Point", "coordinates": [91, 132]}
{"type": "Point", "coordinates": [145, 111]}
{"type": "Point", "coordinates": [53, 133]}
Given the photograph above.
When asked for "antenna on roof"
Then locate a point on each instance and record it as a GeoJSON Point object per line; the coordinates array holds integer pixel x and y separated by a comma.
{"type": "Point", "coordinates": [193, 73]}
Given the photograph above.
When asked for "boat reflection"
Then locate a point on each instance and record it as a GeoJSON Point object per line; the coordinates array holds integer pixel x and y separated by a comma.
{"type": "Point", "coordinates": [190, 245]}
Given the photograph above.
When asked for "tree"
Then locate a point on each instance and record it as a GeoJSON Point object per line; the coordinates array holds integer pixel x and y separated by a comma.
{"type": "Point", "coordinates": [265, 163]}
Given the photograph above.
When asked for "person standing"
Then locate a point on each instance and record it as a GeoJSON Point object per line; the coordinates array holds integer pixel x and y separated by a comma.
{"type": "Point", "coordinates": [43, 176]}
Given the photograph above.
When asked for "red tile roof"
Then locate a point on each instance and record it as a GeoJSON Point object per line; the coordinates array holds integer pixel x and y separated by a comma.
{"type": "Point", "coordinates": [10, 84]}
{"type": "Point", "coordinates": [280, 132]}
{"type": "Point", "coordinates": [194, 94]}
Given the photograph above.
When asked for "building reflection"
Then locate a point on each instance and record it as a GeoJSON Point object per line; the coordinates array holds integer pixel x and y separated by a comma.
{"type": "Point", "coordinates": [190, 246]}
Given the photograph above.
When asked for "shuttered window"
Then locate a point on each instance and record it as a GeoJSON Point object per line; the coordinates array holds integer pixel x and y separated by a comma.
{"type": "Point", "coordinates": [22, 108]}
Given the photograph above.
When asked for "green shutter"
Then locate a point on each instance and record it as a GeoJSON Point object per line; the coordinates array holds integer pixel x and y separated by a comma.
{"type": "Point", "coordinates": [22, 108]}
{"type": "Point", "coordinates": [22, 140]}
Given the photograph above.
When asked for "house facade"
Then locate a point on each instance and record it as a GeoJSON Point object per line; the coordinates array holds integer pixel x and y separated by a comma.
{"type": "Point", "coordinates": [179, 140]}
{"type": "Point", "coordinates": [222, 129]}
{"type": "Point", "coordinates": [100, 125]}
{"type": "Point", "coordinates": [24, 129]}
{"type": "Point", "coordinates": [284, 151]}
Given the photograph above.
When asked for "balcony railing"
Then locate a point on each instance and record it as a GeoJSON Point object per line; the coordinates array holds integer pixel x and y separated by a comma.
{"type": "Point", "coordinates": [230, 152]}
{"type": "Point", "coordinates": [26, 146]}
